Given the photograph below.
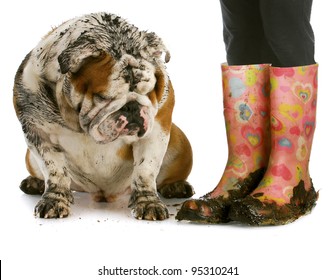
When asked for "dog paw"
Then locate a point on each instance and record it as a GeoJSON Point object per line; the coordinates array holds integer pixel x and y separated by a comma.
{"type": "Point", "coordinates": [54, 205]}
{"type": "Point", "coordinates": [32, 185]}
{"type": "Point", "coordinates": [147, 206]}
{"type": "Point", "coordinates": [180, 189]}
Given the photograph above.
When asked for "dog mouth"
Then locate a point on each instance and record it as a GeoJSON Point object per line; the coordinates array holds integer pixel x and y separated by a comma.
{"type": "Point", "coordinates": [130, 120]}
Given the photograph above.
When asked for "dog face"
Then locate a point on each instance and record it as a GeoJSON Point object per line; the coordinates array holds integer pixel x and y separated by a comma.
{"type": "Point", "coordinates": [115, 98]}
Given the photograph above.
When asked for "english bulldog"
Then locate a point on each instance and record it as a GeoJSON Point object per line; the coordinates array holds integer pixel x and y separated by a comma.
{"type": "Point", "coordinates": [95, 103]}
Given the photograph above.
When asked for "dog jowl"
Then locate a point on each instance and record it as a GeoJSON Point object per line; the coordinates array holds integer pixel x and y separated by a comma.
{"type": "Point", "coordinates": [95, 103]}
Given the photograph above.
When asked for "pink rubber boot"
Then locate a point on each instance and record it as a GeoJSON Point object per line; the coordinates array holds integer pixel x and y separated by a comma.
{"type": "Point", "coordinates": [246, 112]}
{"type": "Point", "coordinates": [286, 192]}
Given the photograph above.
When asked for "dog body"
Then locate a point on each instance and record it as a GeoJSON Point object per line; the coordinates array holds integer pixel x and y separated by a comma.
{"type": "Point", "coordinates": [95, 104]}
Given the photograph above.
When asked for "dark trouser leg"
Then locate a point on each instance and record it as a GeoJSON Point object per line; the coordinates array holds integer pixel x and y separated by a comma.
{"type": "Point", "coordinates": [268, 31]}
{"type": "Point", "coordinates": [287, 29]}
{"type": "Point", "coordinates": [242, 31]}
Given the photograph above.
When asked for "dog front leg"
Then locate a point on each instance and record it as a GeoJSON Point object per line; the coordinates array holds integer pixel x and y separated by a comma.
{"type": "Point", "coordinates": [57, 197]}
{"type": "Point", "coordinates": [148, 157]}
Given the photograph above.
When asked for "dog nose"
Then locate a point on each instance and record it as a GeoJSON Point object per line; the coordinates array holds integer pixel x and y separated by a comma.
{"type": "Point", "coordinates": [131, 107]}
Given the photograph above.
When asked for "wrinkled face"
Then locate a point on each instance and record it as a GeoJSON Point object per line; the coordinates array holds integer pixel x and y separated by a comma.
{"type": "Point", "coordinates": [115, 98]}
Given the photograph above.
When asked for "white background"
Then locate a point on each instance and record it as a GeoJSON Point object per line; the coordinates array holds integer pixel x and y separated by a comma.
{"type": "Point", "coordinates": [105, 234]}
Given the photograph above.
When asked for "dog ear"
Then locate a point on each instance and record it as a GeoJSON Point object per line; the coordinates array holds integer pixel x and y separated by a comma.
{"type": "Point", "coordinates": [73, 57]}
{"type": "Point", "coordinates": [155, 47]}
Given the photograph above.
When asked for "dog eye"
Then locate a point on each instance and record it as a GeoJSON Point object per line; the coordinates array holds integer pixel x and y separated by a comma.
{"type": "Point", "coordinates": [98, 97]}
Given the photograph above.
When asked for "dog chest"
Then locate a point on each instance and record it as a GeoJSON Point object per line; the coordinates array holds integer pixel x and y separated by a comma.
{"type": "Point", "coordinates": [93, 166]}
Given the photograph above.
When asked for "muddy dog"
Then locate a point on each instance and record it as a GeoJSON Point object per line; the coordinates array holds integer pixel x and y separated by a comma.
{"type": "Point", "coordinates": [95, 103]}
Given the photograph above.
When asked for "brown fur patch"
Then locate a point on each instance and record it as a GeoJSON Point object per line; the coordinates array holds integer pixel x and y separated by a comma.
{"type": "Point", "coordinates": [164, 115]}
{"type": "Point", "coordinates": [29, 165]}
{"type": "Point", "coordinates": [156, 94]}
{"type": "Point", "coordinates": [100, 196]}
{"type": "Point", "coordinates": [158, 91]}
{"type": "Point", "coordinates": [178, 158]}
{"type": "Point", "coordinates": [126, 152]}
{"type": "Point", "coordinates": [93, 75]}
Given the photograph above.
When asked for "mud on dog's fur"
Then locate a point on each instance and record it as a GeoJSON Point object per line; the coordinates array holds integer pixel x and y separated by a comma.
{"type": "Point", "coordinates": [95, 103]}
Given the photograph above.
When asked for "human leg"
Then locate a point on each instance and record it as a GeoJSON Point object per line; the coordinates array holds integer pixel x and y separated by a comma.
{"type": "Point", "coordinates": [286, 192]}
{"type": "Point", "coordinates": [242, 31]}
{"type": "Point", "coordinates": [288, 31]}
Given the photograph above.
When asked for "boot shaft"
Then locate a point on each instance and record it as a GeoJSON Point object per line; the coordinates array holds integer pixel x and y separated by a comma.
{"type": "Point", "coordinates": [248, 84]}
{"type": "Point", "coordinates": [246, 109]}
{"type": "Point", "coordinates": [293, 100]}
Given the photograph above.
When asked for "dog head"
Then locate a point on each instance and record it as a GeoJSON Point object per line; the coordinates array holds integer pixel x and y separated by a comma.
{"type": "Point", "coordinates": [114, 88]}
